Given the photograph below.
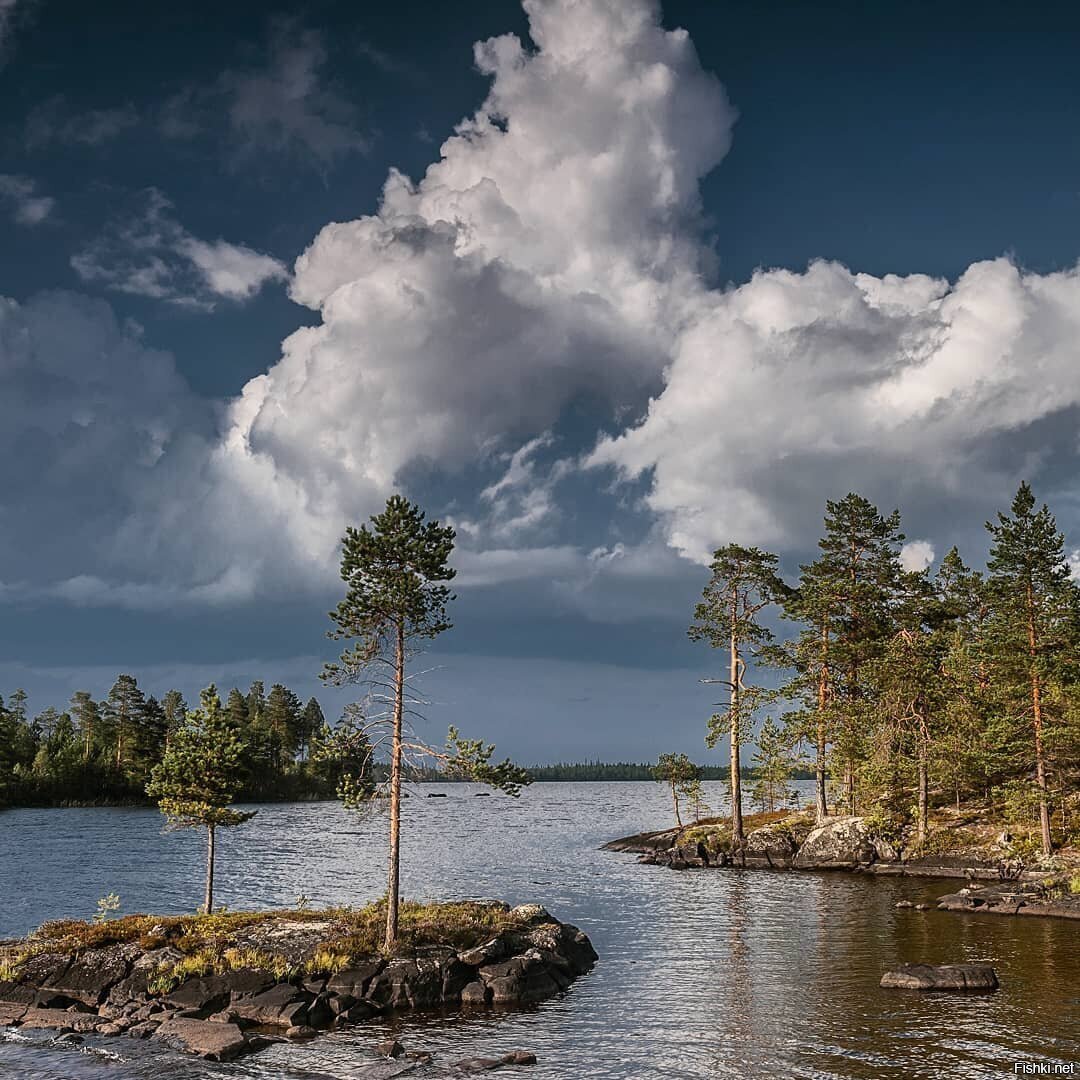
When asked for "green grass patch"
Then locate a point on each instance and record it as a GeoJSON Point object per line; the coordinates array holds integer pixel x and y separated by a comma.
{"type": "Point", "coordinates": [215, 944]}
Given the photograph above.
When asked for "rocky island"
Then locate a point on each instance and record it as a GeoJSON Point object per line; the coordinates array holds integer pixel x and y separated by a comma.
{"type": "Point", "coordinates": [997, 880]}
{"type": "Point", "coordinates": [227, 984]}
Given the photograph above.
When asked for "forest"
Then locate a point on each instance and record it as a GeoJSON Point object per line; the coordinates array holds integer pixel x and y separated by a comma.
{"type": "Point", "coordinates": [104, 751]}
{"type": "Point", "coordinates": [907, 689]}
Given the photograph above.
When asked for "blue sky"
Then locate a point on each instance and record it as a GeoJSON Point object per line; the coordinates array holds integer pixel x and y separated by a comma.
{"type": "Point", "coordinates": [603, 284]}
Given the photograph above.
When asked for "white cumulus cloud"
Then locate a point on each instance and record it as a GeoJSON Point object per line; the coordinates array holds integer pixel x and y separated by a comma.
{"type": "Point", "coordinates": [149, 253]}
{"type": "Point", "coordinates": [800, 386]}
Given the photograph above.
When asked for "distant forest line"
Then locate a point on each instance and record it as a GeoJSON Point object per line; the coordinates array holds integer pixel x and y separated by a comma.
{"type": "Point", "coordinates": [102, 752]}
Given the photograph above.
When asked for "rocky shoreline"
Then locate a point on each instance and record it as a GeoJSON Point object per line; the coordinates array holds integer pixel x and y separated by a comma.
{"type": "Point", "coordinates": [133, 987]}
{"type": "Point", "coordinates": [850, 844]}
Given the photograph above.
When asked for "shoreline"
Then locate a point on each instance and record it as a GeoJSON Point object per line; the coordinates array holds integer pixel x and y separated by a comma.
{"type": "Point", "coordinates": [791, 843]}
{"type": "Point", "coordinates": [222, 986]}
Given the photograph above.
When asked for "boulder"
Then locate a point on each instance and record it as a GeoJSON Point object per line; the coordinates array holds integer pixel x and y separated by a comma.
{"type": "Point", "coordinates": [215, 1042]}
{"type": "Point", "coordinates": [489, 952]}
{"type": "Point", "coordinates": [845, 843]}
{"type": "Point", "coordinates": [11, 1012]}
{"type": "Point", "coordinates": [90, 976]}
{"type": "Point", "coordinates": [205, 995]}
{"type": "Point", "coordinates": [770, 847]}
{"type": "Point", "coordinates": [475, 994]}
{"type": "Point", "coordinates": [980, 977]}
{"type": "Point", "coordinates": [284, 1004]}
{"type": "Point", "coordinates": [355, 981]}
{"type": "Point", "coordinates": [485, 1064]}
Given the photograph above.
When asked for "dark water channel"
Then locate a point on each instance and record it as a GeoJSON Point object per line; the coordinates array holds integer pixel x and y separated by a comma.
{"type": "Point", "coordinates": [702, 974]}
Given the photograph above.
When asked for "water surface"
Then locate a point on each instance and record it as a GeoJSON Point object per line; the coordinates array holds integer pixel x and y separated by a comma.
{"type": "Point", "coordinates": [703, 974]}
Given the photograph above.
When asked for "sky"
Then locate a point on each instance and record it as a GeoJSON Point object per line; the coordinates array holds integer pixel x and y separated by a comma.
{"type": "Point", "coordinates": [604, 285]}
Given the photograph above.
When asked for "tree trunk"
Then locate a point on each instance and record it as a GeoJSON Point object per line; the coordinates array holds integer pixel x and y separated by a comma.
{"type": "Point", "coordinates": [208, 902]}
{"type": "Point", "coordinates": [393, 882]}
{"type": "Point", "coordinates": [675, 800]}
{"type": "Point", "coordinates": [822, 807]}
{"type": "Point", "coordinates": [922, 825]}
{"type": "Point", "coordinates": [737, 838]}
{"type": "Point", "coordinates": [1037, 715]}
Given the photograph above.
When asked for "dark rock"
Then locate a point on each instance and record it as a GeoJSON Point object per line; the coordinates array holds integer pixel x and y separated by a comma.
{"type": "Point", "coordinates": [489, 953]}
{"type": "Point", "coordinates": [355, 981]}
{"type": "Point", "coordinates": [215, 1042]}
{"type": "Point", "coordinates": [485, 1064]}
{"type": "Point", "coordinates": [478, 1064]}
{"type": "Point", "coordinates": [389, 1048]}
{"type": "Point", "coordinates": [475, 994]}
{"type": "Point", "coordinates": [506, 990]}
{"type": "Point", "coordinates": [91, 975]}
{"type": "Point", "coordinates": [519, 1057]}
{"type": "Point", "coordinates": [46, 1018]}
{"type": "Point", "coordinates": [537, 986]}
{"type": "Point", "coordinates": [436, 794]}
{"type": "Point", "coordinates": [300, 1031]}
{"type": "Point", "coordinates": [203, 996]}
{"type": "Point", "coordinates": [981, 977]}
{"type": "Point", "coordinates": [11, 1012]}
{"type": "Point", "coordinates": [52, 999]}
{"type": "Point", "coordinates": [283, 1004]}
{"type": "Point", "coordinates": [320, 1012]}
{"type": "Point", "coordinates": [20, 993]}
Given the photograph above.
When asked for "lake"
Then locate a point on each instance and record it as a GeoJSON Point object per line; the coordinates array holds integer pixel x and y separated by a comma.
{"type": "Point", "coordinates": [702, 974]}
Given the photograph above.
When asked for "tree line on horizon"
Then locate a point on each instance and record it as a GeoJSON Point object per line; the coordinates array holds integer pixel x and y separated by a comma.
{"type": "Point", "coordinates": [105, 751]}
{"type": "Point", "coordinates": [902, 689]}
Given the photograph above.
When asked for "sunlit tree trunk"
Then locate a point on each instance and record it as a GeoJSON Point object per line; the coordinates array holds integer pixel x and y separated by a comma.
{"type": "Point", "coordinates": [922, 824]}
{"type": "Point", "coordinates": [208, 902]}
{"type": "Point", "coordinates": [1037, 715]}
{"type": "Point", "coordinates": [822, 806]}
{"type": "Point", "coordinates": [393, 884]}
{"type": "Point", "coordinates": [737, 838]}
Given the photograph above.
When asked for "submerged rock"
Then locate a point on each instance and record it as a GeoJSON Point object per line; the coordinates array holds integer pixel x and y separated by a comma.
{"type": "Point", "coordinates": [978, 977]}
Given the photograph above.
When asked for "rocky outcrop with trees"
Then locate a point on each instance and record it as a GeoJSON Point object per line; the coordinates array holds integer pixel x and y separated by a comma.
{"type": "Point", "coordinates": [793, 841]}
{"type": "Point", "coordinates": [224, 985]}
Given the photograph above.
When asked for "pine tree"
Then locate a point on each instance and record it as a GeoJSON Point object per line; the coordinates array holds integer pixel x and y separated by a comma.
{"type": "Point", "coordinates": [175, 709]}
{"type": "Point", "coordinates": [198, 779]}
{"type": "Point", "coordinates": [87, 716]}
{"type": "Point", "coordinates": [1034, 622]}
{"type": "Point", "coordinates": [312, 722]}
{"type": "Point", "coordinates": [846, 600]}
{"type": "Point", "coordinates": [744, 582]}
{"type": "Point", "coordinates": [395, 574]}
{"type": "Point", "coordinates": [680, 774]}
{"type": "Point", "coordinates": [773, 767]}
{"type": "Point", "coordinates": [121, 713]}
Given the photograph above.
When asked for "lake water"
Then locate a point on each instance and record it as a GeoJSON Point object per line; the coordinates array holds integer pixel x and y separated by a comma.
{"type": "Point", "coordinates": [702, 974]}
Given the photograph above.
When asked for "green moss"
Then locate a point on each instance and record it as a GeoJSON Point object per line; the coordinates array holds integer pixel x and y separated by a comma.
{"type": "Point", "coordinates": [221, 942]}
